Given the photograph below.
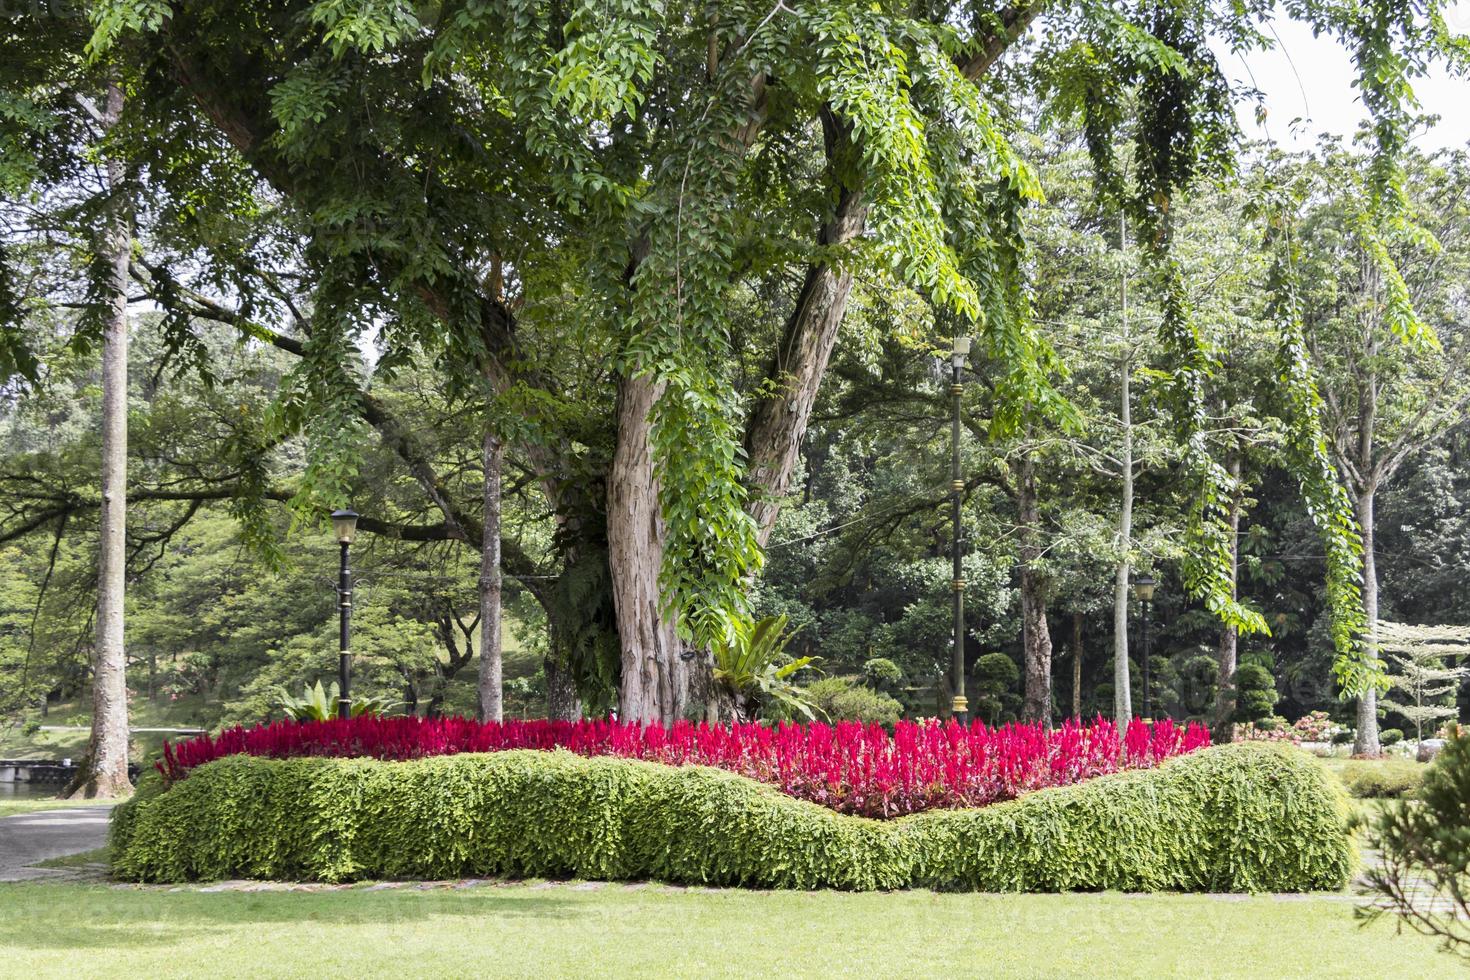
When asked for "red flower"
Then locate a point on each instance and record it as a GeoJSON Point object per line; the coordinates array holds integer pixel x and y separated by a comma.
{"type": "Point", "coordinates": [849, 767]}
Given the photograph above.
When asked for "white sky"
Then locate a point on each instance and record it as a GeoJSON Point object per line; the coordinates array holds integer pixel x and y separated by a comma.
{"type": "Point", "coordinates": [1310, 78]}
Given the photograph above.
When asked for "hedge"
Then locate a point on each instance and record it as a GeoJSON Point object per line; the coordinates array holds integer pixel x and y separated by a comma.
{"type": "Point", "coordinates": [1232, 818]}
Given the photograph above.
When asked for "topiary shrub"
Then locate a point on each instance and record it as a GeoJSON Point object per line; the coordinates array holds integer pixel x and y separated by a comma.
{"type": "Point", "coordinates": [995, 676]}
{"type": "Point", "coordinates": [1255, 691]}
{"type": "Point", "coordinates": [1233, 818]}
{"type": "Point", "coordinates": [882, 673]}
{"type": "Point", "coordinates": [1390, 736]}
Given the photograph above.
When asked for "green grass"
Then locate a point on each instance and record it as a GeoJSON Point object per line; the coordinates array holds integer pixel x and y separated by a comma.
{"type": "Point", "coordinates": [191, 712]}
{"type": "Point", "coordinates": [9, 808]}
{"type": "Point", "coordinates": [56, 930]}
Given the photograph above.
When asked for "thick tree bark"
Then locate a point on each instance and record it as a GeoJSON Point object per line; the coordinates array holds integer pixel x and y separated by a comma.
{"type": "Point", "coordinates": [105, 771]}
{"type": "Point", "coordinates": [655, 679]}
{"type": "Point", "coordinates": [1223, 720]}
{"type": "Point", "coordinates": [1366, 742]}
{"type": "Point", "coordinates": [1077, 665]}
{"type": "Point", "coordinates": [562, 702]}
{"type": "Point", "coordinates": [490, 692]}
{"type": "Point", "coordinates": [1035, 635]}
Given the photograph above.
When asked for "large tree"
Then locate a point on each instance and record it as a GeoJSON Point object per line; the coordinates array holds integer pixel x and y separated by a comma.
{"type": "Point", "coordinates": [332, 164]}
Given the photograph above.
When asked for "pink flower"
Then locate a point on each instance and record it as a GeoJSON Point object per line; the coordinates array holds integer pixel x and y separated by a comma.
{"type": "Point", "coordinates": [849, 767]}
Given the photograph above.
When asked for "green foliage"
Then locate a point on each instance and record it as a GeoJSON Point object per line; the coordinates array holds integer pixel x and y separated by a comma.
{"type": "Point", "coordinates": [995, 678]}
{"type": "Point", "coordinates": [1308, 455]}
{"type": "Point", "coordinates": [882, 672]}
{"type": "Point", "coordinates": [1390, 736]}
{"type": "Point", "coordinates": [1380, 778]}
{"type": "Point", "coordinates": [848, 699]}
{"type": "Point", "coordinates": [1234, 818]}
{"type": "Point", "coordinates": [1425, 849]}
{"type": "Point", "coordinates": [316, 704]}
{"type": "Point", "coordinates": [752, 666]}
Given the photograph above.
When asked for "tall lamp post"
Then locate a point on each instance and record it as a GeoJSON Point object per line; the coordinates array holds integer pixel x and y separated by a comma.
{"type": "Point", "coordinates": [344, 523]}
{"type": "Point", "coordinates": [1143, 587]}
{"type": "Point", "coordinates": [960, 707]}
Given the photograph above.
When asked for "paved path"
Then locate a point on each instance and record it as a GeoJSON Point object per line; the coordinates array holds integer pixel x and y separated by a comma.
{"type": "Point", "coordinates": [30, 837]}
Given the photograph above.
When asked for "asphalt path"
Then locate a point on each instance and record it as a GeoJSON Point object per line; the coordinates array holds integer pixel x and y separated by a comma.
{"type": "Point", "coordinates": [30, 837]}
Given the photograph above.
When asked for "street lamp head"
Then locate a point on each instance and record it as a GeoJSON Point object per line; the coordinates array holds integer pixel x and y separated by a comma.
{"type": "Point", "coordinates": [1143, 587]}
{"type": "Point", "coordinates": [960, 351]}
{"type": "Point", "coordinates": [344, 523]}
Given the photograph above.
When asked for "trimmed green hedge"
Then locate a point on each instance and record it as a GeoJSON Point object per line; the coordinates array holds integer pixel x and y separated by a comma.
{"type": "Point", "coordinates": [1234, 818]}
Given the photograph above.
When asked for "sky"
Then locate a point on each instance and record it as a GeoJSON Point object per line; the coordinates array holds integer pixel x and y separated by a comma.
{"type": "Point", "coordinates": [1311, 78]}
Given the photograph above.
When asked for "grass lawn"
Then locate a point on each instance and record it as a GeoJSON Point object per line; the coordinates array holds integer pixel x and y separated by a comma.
{"type": "Point", "coordinates": [56, 930]}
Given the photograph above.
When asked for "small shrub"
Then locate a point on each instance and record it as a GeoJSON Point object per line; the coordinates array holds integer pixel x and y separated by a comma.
{"type": "Point", "coordinates": [882, 673]}
{"type": "Point", "coordinates": [846, 699]}
{"type": "Point", "coordinates": [1381, 778]}
{"type": "Point", "coordinates": [1234, 818]}
{"type": "Point", "coordinates": [1256, 696]}
{"type": "Point", "coordinates": [1390, 736]}
{"type": "Point", "coordinates": [1316, 726]}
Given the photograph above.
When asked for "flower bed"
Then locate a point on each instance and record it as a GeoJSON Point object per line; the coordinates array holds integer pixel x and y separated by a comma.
{"type": "Point", "coordinates": [1231, 818]}
{"type": "Point", "coordinates": [847, 767]}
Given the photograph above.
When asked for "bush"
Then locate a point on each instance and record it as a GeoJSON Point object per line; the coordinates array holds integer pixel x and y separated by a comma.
{"type": "Point", "coordinates": [1233, 818]}
{"type": "Point", "coordinates": [882, 673]}
{"type": "Point", "coordinates": [1390, 736]}
{"type": "Point", "coordinates": [1380, 778]}
{"type": "Point", "coordinates": [846, 699]}
{"type": "Point", "coordinates": [1255, 696]}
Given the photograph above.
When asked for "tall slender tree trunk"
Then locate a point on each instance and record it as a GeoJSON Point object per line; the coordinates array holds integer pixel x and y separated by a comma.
{"type": "Point", "coordinates": [1226, 657]}
{"type": "Point", "coordinates": [490, 690]}
{"type": "Point", "coordinates": [1122, 683]}
{"type": "Point", "coordinates": [104, 773]}
{"type": "Point", "coordinates": [1035, 635]}
{"type": "Point", "coordinates": [1077, 665]}
{"type": "Point", "coordinates": [1366, 742]}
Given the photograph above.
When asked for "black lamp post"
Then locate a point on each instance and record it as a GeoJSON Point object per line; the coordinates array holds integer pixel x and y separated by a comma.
{"type": "Point", "coordinates": [344, 523]}
{"type": "Point", "coordinates": [960, 707]}
{"type": "Point", "coordinates": [1143, 587]}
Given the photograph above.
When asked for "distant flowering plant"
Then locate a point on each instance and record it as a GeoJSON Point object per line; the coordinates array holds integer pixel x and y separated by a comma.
{"type": "Point", "coordinates": [1315, 726]}
{"type": "Point", "coordinates": [849, 767]}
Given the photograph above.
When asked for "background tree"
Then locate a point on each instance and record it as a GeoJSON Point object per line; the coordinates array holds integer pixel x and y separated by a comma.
{"type": "Point", "coordinates": [1423, 676]}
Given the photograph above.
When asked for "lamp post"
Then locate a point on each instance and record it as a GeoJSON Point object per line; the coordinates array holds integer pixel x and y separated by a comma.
{"type": "Point", "coordinates": [960, 707]}
{"type": "Point", "coordinates": [1143, 587]}
{"type": "Point", "coordinates": [344, 523]}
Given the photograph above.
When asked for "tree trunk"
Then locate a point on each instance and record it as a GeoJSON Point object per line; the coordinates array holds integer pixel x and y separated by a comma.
{"type": "Point", "coordinates": [1077, 665]}
{"type": "Point", "coordinates": [1226, 657]}
{"type": "Point", "coordinates": [490, 690]}
{"type": "Point", "coordinates": [656, 681]}
{"type": "Point", "coordinates": [1122, 682]}
{"type": "Point", "coordinates": [1366, 742]}
{"type": "Point", "coordinates": [104, 772]}
{"type": "Point", "coordinates": [562, 703]}
{"type": "Point", "coordinates": [1035, 636]}
{"type": "Point", "coordinates": [777, 426]}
